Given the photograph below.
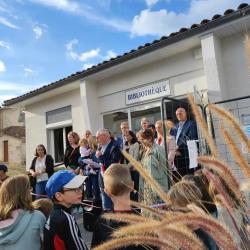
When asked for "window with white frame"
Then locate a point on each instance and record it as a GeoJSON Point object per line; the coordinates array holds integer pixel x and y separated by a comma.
{"type": "Point", "coordinates": [59, 124]}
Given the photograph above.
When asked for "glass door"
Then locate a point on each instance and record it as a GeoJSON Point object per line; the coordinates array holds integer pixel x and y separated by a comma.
{"type": "Point", "coordinates": [113, 121]}
{"type": "Point", "coordinates": [151, 113]}
{"type": "Point", "coordinates": [57, 142]}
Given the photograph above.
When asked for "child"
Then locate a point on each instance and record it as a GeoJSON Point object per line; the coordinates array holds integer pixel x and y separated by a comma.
{"type": "Point", "coordinates": [92, 186]}
{"type": "Point", "coordinates": [44, 205]}
{"type": "Point", "coordinates": [61, 230]}
{"type": "Point", "coordinates": [183, 196]}
{"type": "Point", "coordinates": [20, 226]}
{"type": "Point", "coordinates": [118, 185]}
{"type": "Point", "coordinates": [85, 154]}
{"type": "Point", "coordinates": [207, 203]}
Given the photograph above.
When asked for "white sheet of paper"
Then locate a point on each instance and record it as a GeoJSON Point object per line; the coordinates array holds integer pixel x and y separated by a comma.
{"type": "Point", "coordinates": [193, 153]}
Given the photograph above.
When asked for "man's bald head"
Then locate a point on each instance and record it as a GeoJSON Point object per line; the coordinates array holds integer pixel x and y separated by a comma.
{"type": "Point", "coordinates": [181, 114]}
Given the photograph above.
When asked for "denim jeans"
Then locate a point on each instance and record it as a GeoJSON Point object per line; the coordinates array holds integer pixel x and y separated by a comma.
{"type": "Point", "coordinates": [40, 189]}
{"type": "Point", "coordinates": [92, 187]}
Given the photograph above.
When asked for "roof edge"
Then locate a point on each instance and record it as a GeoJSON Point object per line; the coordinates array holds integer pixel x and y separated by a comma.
{"type": "Point", "coordinates": [184, 33]}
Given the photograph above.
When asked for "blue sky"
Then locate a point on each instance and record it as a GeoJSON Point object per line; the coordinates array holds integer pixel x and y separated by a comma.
{"type": "Point", "coordinates": [42, 41]}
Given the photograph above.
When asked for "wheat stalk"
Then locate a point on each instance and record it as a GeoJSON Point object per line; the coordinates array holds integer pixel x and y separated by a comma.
{"type": "Point", "coordinates": [226, 115]}
{"type": "Point", "coordinates": [179, 235]}
{"type": "Point", "coordinates": [158, 213]}
{"type": "Point", "coordinates": [125, 217]}
{"type": "Point", "coordinates": [203, 126]}
{"type": "Point", "coordinates": [243, 164]}
{"type": "Point", "coordinates": [223, 171]}
{"type": "Point", "coordinates": [182, 236]}
{"type": "Point", "coordinates": [210, 225]}
{"type": "Point", "coordinates": [149, 226]}
{"type": "Point", "coordinates": [135, 240]}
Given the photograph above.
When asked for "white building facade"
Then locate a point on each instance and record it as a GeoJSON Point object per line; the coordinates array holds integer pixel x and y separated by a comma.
{"type": "Point", "coordinates": [210, 58]}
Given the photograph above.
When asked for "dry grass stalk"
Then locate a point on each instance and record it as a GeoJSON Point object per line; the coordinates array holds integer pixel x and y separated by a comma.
{"type": "Point", "coordinates": [203, 126]}
{"type": "Point", "coordinates": [158, 213]}
{"type": "Point", "coordinates": [137, 165]}
{"type": "Point", "coordinates": [135, 240]}
{"type": "Point", "coordinates": [225, 198]}
{"type": "Point", "coordinates": [125, 217]}
{"type": "Point", "coordinates": [247, 46]}
{"type": "Point", "coordinates": [213, 227]}
{"type": "Point", "coordinates": [228, 202]}
{"type": "Point", "coordinates": [144, 228]}
{"type": "Point", "coordinates": [182, 237]}
{"type": "Point", "coordinates": [226, 115]}
{"type": "Point", "coordinates": [243, 164]}
{"type": "Point", "coordinates": [223, 171]}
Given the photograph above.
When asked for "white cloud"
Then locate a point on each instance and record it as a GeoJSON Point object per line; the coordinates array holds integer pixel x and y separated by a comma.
{"type": "Point", "coordinates": [7, 23]}
{"type": "Point", "coordinates": [2, 66]}
{"type": "Point", "coordinates": [38, 32]}
{"type": "Point", "coordinates": [70, 44]}
{"type": "Point", "coordinates": [87, 65]}
{"type": "Point", "coordinates": [89, 54]}
{"type": "Point", "coordinates": [86, 11]}
{"type": "Point", "coordinates": [110, 54]}
{"type": "Point", "coordinates": [65, 5]}
{"type": "Point", "coordinates": [73, 55]}
{"type": "Point", "coordinates": [4, 45]}
{"type": "Point", "coordinates": [28, 71]}
{"type": "Point", "coordinates": [6, 97]}
{"type": "Point", "coordinates": [164, 22]}
{"type": "Point", "coordinates": [15, 88]}
{"type": "Point", "coordinates": [19, 88]}
{"type": "Point", "coordinates": [80, 56]}
{"type": "Point", "coordinates": [151, 2]}
{"type": "Point", "coordinates": [6, 9]}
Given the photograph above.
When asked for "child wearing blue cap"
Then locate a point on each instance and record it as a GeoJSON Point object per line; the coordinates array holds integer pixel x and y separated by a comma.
{"type": "Point", "coordinates": [61, 230]}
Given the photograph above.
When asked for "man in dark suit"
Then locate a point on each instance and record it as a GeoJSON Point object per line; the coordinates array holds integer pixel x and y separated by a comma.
{"type": "Point", "coordinates": [183, 131]}
{"type": "Point", "coordinates": [108, 152]}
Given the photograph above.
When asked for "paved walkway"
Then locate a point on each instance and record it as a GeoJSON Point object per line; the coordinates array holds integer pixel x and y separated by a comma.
{"type": "Point", "coordinates": [87, 236]}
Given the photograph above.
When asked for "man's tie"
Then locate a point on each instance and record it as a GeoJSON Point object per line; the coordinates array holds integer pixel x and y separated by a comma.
{"type": "Point", "coordinates": [179, 131]}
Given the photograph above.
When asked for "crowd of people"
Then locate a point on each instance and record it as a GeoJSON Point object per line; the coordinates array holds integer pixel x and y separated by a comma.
{"type": "Point", "coordinates": [97, 170]}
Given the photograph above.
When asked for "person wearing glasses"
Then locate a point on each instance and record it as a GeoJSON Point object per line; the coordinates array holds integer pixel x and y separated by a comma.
{"type": "Point", "coordinates": [61, 230]}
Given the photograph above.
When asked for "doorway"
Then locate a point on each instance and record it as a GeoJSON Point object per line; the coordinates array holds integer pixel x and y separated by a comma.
{"type": "Point", "coordinates": [5, 151]}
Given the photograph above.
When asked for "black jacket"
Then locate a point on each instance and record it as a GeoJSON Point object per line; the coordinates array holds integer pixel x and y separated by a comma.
{"type": "Point", "coordinates": [71, 157]}
{"type": "Point", "coordinates": [62, 232]}
{"type": "Point", "coordinates": [49, 163]}
{"type": "Point", "coordinates": [103, 230]}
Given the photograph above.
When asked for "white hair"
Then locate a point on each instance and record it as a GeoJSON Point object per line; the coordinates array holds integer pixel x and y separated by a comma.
{"type": "Point", "coordinates": [102, 131]}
